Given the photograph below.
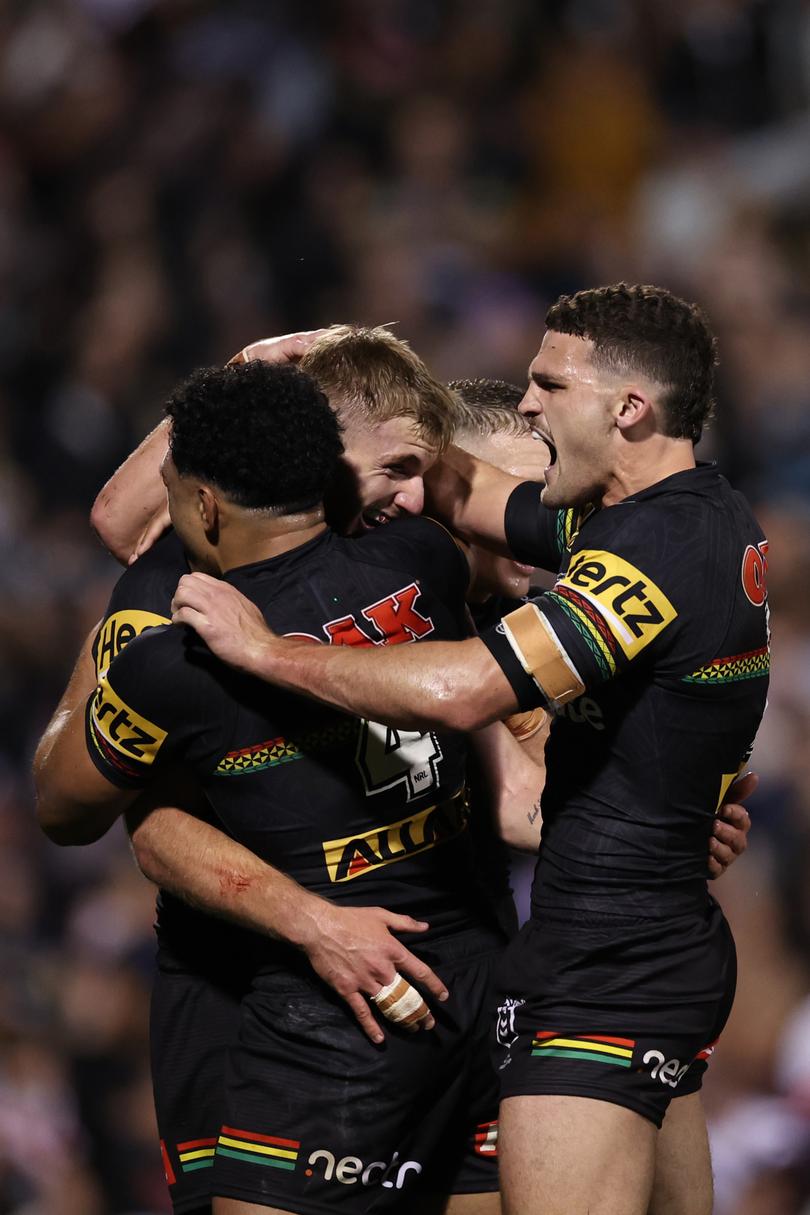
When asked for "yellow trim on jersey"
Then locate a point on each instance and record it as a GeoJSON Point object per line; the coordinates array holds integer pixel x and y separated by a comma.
{"type": "Point", "coordinates": [118, 630]}
{"type": "Point", "coordinates": [632, 606]}
{"type": "Point", "coordinates": [124, 729]}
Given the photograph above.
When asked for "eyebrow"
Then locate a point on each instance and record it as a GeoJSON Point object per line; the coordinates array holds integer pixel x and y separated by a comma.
{"type": "Point", "coordinates": [544, 380]}
{"type": "Point", "coordinates": [399, 457]}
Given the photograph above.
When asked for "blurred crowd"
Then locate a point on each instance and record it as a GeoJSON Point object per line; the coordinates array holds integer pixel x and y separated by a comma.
{"type": "Point", "coordinates": [178, 177]}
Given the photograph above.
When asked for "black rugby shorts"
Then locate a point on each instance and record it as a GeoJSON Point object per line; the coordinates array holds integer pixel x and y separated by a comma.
{"type": "Point", "coordinates": [318, 1120]}
{"type": "Point", "coordinates": [617, 1009]}
{"type": "Point", "coordinates": [193, 1022]}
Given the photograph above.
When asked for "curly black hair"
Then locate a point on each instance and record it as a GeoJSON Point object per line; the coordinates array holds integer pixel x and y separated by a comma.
{"type": "Point", "coordinates": [648, 329]}
{"type": "Point", "coordinates": [262, 433]}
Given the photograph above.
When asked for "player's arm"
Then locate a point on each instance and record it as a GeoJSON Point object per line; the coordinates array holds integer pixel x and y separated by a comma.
{"type": "Point", "coordinates": [74, 802]}
{"type": "Point", "coordinates": [350, 948]}
{"type": "Point", "coordinates": [470, 497]}
{"type": "Point", "coordinates": [453, 685]}
{"type": "Point", "coordinates": [514, 781]}
{"type": "Point", "coordinates": [131, 512]}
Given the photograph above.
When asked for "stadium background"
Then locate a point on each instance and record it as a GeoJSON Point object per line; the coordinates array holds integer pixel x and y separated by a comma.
{"type": "Point", "coordinates": [179, 177]}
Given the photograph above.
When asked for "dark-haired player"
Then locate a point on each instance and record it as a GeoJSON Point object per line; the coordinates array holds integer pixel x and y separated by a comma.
{"type": "Point", "coordinates": [313, 1113]}
{"type": "Point", "coordinates": [652, 650]}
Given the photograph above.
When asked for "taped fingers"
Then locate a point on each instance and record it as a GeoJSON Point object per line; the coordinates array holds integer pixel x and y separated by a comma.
{"type": "Point", "coordinates": [401, 1003]}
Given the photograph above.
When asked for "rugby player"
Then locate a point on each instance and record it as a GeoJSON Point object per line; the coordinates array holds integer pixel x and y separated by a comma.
{"type": "Point", "coordinates": [313, 1113]}
{"type": "Point", "coordinates": [396, 418]}
{"type": "Point", "coordinates": [652, 650]}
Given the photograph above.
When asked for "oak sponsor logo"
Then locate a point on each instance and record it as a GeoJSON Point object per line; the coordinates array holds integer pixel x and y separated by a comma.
{"type": "Point", "coordinates": [118, 630]}
{"type": "Point", "coordinates": [394, 621]}
{"type": "Point", "coordinates": [754, 573]}
{"type": "Point", "coordinates": [351, 1170]}
{"type": "Point", "coordinates": [358, 854]}
{"type": "Point", "coordinates": [633, 607]}
{"type": "Point", "coordinates": [124, 729]}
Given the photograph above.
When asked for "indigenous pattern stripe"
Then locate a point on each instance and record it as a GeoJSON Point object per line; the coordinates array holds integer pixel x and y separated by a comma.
{"type": "Point", "coordinates": [275, 751]}
{"type": "Point", "coordinates": [197, 1154]}
{"type": "Point", "coordinates": [591, 627]}
{"type": "Point", "coordinates": [595, 1047]}
{"type": "Point", "coordinates": [258, 1149]}
{"type": "Point", "coordinates": [568, 523]}
{"type": "Point", "coordinates": [731, 670]}
{"type": "Point", "coordinates": [131, 772]}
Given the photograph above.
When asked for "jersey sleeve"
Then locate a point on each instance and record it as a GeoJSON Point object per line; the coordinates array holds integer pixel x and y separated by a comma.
{"type": "Point", "coordinates": [535, 534]}
{"type": "Point", "coordinates": [140, 599]}
{"type": "Point", "coordinates": [139, 716]}
{"type": "Point", "coordinates": [613, 608]}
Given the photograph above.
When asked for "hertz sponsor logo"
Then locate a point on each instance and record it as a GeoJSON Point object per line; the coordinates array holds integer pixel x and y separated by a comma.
{"type": "Point", "coordinates": [118, 630]}
{"type": "Point", "coordinates": [633, 607]}
{"type": "Point", "coordinates": [123, 728]}
{"type": "Point", "coordinates": [358, 854]}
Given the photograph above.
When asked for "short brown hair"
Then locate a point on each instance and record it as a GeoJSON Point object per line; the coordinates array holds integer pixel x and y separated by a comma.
{"type": "Point", "coordinates": [488, 407]}
{"type": "Point", "coordinates": [648, 329]}
{"type": "Point", "coordinates": [371, 373]}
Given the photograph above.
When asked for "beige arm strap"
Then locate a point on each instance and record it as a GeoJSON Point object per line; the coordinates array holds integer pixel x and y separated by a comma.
{"type": "Point", "coordinates": [541, 655]}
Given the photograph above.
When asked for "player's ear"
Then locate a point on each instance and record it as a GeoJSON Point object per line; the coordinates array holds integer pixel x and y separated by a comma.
{"type": "Point", "coordinates": [208, 508]}
{"type": "Point", "coordinates": [634, 411]}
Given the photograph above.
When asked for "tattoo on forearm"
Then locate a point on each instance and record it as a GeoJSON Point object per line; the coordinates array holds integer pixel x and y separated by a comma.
{"type": "Point", "coordinates": [534, 812]}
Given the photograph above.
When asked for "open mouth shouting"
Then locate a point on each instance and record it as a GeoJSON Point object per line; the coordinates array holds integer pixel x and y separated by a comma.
{"type": "Point", "coordinates": [544, 437]}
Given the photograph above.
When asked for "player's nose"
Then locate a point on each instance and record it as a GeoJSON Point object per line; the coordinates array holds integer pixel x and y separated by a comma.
{"type": "Point", "coordinates": [530, 406]}
{"type": "Point", "coordinates": [410, 497]}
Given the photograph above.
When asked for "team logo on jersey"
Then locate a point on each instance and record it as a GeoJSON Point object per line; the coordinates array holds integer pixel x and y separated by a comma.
{"type": "Point", "coordinates": [122, 729]}
{"type": "Point", "coordinates": [118, 630]}
{"type": "Point", "coordinates": [617, 602]}
{"type": "Point", "coordinates": [358, 854]}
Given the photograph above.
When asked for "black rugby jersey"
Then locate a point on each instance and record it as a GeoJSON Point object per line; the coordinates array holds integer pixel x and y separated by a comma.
{"type": "Point", "coordinates": [361, 813]}
{"type": "Point", "coordinates": [660, 607]}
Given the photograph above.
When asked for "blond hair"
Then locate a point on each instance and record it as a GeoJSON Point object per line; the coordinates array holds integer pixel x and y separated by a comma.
{"type": "Point", "coordinates": [370, 374]}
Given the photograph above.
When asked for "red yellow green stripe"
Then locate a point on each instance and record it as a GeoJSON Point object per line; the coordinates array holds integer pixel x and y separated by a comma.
{"type": "Point", "coordinates": [269, 1150]}
{"type": "Point", "coordinates": [598, 1048]}
{"type": "Point", "coordinates": [196, 1154]}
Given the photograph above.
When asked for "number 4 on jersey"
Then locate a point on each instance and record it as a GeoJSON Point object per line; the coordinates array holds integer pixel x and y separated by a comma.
{"type": "Point", "coordinates": [387, 757]}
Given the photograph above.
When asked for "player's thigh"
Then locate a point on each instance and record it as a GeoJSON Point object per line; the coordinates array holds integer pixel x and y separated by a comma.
{"type": "Point", "coordinates": [234, 1206]}
{"type": "Point", "coordinates": [683, 1171]}
{"type": "Point", "coordinates": [562, 1155]}
{"type": "Point", "coordinates": [473, 1204]}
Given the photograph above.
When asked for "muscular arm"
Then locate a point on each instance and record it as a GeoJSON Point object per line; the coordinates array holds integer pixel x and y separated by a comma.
{"type": "Point", "coordinates": [470, 496]}
{"type": "Point", "coordinates": [452, 685]}
{"type": "Point", "coordinates": [133, 503]}
{"type": "Point", "coordinates": [74, 804]}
